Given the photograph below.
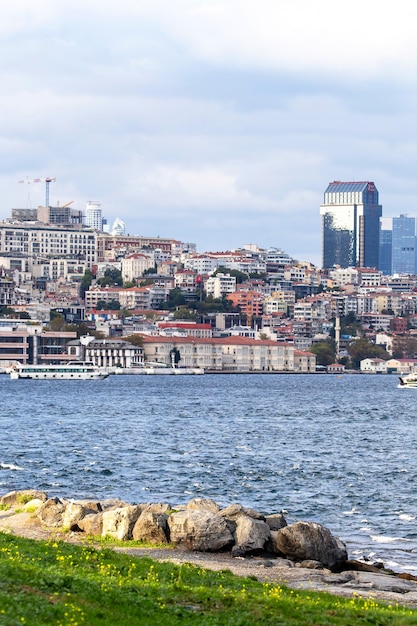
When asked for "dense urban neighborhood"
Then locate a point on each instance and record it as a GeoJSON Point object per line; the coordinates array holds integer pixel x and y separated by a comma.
{"type": "Point", "coordinates": [72, 289]}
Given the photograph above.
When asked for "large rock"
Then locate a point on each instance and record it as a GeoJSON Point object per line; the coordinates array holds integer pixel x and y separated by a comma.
{"type": "Point", "coordinates": [91, 524]}
{"type": "Point", "coordinates": [251, 534]}
{"type": "Point", "coordinates": [200, 530]}
{"type": "Point", "coordinates": [119, 523]}
{"type": "Point", "coordinates": [276, 521]}
{"type": "Point", "coordinates": [74, 512]}
{"type": "Point", "coordinates": [305, 541]}
{"type": "Point", "coordinates": [234, 511]}
{"type": "Point", "coordinates": [203, 504]}
{"type": "Point", "coordinates": [52, 512]}
{"type": "Point", "coordinates": [151, 527]}
{"type": "Point", "coordinates": [16, 498]}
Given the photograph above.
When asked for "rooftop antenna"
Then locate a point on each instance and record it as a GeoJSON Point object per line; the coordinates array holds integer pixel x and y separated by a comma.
{"type": "Point", "coordinates": [41, 180]}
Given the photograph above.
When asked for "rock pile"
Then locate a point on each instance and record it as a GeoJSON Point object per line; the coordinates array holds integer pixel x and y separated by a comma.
{"type": "Point", "coordinates": [201, 525]}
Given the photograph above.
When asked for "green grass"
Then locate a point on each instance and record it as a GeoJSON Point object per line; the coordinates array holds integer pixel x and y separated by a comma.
{"type": "Point", "coordinates": [61, 584]}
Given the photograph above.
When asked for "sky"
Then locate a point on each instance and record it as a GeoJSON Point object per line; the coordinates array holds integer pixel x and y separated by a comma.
{"type": "Point", "coordinates": [219, 122]}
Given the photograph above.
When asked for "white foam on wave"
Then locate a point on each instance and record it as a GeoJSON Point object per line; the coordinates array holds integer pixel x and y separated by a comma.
{"type": "Point", "coordinates": [351, 512]}
{"type": "Point", "coordinates": [406, 517]}
{"type": "Point", "coordinates": [10, 466]}
{"type": "Point", "coordinates": [385, 539]}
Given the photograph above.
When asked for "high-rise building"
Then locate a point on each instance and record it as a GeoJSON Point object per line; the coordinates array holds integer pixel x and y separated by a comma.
{"type": "Point", "coordinates": [403, 245]}
{"type": "Point", "coordinates": [385, 246]}
{"type": "Point", "coordinates": [93, 216]}
{"type": "Point", "coordinates": [350, 225]}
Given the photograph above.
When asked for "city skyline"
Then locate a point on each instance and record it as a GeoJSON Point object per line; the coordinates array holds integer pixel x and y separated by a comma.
{"type": "Point", "coordinates": [216, 122]}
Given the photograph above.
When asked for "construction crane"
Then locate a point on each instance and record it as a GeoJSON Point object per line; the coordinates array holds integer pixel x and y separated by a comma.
{"type": "Point", "coordinates": [41, 180]}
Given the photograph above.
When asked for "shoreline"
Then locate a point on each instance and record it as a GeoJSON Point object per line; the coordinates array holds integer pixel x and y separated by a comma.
{"type": "Point", "coordinates": [366, 581]}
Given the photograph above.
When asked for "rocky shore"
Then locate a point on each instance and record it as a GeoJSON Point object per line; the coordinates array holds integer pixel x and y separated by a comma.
{"type": "Point", "coordinates": [248, 543]}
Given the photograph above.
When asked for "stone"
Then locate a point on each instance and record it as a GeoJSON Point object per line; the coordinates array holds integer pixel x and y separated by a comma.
{"type": "Point", "coordinates": [251, 534]}
{"type": "Point", "coordinates": [151, 527]}
{"type": "Point", "coordinates": [16, 498]}
{"type": "Point", "coordinates": [203, 504]}
{"type": "Point", "coordinates": [304, 541]}
{"type": "Point", "coordinates": [74, 512]}
{"type": "Point", "coordinates": [51, 512]}
{"type": "Point", "coordinates": [91, 524]}
{"type": "Point", "coordinates": [200, 530]}
{"type": "Point", "coordinates": [157, 507]}
{"type": "Point", "coordinates": [276, 521]}
{"type": "Point", "coordinates": [234, 511]}
{"type": "Point", "coordinates": [119, 523]}
{"type": "Point", "coordinates": [271, 545]}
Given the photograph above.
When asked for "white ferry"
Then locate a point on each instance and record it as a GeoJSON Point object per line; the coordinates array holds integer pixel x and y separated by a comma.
{"type": "Point", "coordinates": [408, 381]}
{"type": "Point", "coordinates": [74, 370]}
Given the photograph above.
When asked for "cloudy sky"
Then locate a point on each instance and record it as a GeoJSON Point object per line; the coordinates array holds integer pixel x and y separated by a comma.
{"type": "Point", "coordinates": [214, 121]}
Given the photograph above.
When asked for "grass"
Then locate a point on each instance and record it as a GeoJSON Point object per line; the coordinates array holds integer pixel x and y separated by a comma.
{"type": "Point", "coordinates": [65, 585]}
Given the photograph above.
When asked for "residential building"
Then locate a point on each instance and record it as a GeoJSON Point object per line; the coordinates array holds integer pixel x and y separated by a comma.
{"type": "Point", "coordinates": [350, 225]}
{"type": "Point", "coordinates": [39, 241]}
{"type": "Point", "coordinates": [220, 285]}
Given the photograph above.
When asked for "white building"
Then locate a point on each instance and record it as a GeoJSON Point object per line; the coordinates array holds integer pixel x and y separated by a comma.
{"type": "Point", "coordinates": [93, 215]}
{"type": "Point", "coordinates": [220, 285]}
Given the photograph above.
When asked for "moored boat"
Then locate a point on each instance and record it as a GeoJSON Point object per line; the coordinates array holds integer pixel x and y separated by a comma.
{"type": "Point", "coordinates": [74, 370]}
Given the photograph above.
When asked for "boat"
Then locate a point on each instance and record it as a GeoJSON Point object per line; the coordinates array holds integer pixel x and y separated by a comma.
{"type": "Point", "coordinates": [410, 380]}
{"type": "Point", "coordinates": [74, 370]}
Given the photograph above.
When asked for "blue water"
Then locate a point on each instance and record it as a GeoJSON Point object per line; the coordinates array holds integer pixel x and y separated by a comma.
{"type": "Point", "coordinates": [337, 450]}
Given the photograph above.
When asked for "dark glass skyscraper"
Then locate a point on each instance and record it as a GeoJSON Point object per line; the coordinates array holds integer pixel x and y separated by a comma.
{"type": "Point", "coordinates": [403, 245]}
{"type": "Point", "coordinates": [350, 225]}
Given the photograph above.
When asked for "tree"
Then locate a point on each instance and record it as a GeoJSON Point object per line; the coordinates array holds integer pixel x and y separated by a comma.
{"type": "Point", "coordinates": [240, 276]}
{"type": "Point", "coordinates": [112, 305]}
{"type": "Point", "coordinates": [175, 356]}
{"type": "Point", "coordinates": [175, 299]}
{"type": "Point", "coordinates": [184, 314]}
{"type": "Point", "coordinates": [57, 323]}
{"type": "Point", "coordinates": [364, 349]}
{"type": "Point", "coordinates": [325, 352]}
{"type": "Point", "coordinates": [86, 282]}
{"type": "Point", "coordinates": [135, 339]}
{"type": "Point", "coordinates": [112, 277]}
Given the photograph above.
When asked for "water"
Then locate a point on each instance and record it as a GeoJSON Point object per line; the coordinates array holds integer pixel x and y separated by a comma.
{"type": "Point", "coordinates": [336, 450]}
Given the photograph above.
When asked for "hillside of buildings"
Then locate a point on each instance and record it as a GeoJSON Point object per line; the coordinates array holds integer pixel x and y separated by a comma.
{"type": "Point", "coordinates": [151, 299]}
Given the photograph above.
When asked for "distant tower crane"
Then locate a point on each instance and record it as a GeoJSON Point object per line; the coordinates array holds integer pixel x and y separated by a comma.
{"type": "Point", "coordinates": [41, 180]}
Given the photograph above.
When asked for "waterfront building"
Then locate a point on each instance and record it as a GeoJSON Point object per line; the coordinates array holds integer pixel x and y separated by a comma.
{"type": "Point", "coordinates": [350, 225]}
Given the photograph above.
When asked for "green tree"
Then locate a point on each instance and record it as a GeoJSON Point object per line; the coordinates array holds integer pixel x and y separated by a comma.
{"type": "Point", "coordinates": [364, 349]}
{"type": "Point", "coordinates": [57, 322]}
{"type": "Point", "coordinates": [135, 339]}
{"type": "Point", "coordinates": [175, 299]}
{"type": "Point", "coordinates": [112, 305]}
{"type": "Point", "coordinates": [325, 352]}
{"type": "Point", "coordinates": [182, 313]}
{"type": "Point", "coordinates": [175, 356]}
{"type": "Point", "coordinates": [112, 277]}
{"type": "Point", "coordinates": [240, 276]}
{"type": "Point", "coordinates": [86, 282]}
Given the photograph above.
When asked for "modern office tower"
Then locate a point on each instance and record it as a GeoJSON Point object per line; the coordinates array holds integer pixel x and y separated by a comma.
{"type": "Point", "coordinates": [403, 245]}
{"type": "Point", "coordinates": [385, 246]}
{"type": "Point", "coordinates": [93, 216]}
{"type": "Point", "coordinates": [350, 225]}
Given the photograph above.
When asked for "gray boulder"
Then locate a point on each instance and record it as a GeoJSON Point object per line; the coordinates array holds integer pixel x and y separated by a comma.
{"type": "Point", "coordinates": [16, 498]}
{"type": "Point", "coordinates": [308, 541]}
{"type": "Point", "coordinates": [203, 504]}
{"type": "Point", "coordinates": [276, 521]}
{"type": "Point", "coordinates": [51, 512]}
{"type": "Point", "coordinates": [234, 511]}
{"type": "Point", "coordinates": [251, 535]}
{"type": "Point", "coordinates": [151, 527]}
{"type": "Point", "coordinates": [74, 512]}
{"type": "Point", "coordinates": [119, 523]}
{"type": "Point", "coordinates": [91, 524]}
{"type": "Point", "coordinates": [200, 530]}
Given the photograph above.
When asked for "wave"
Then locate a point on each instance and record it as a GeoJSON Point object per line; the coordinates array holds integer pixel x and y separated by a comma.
{"type": "Point", "coordinates": [10, 466]}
